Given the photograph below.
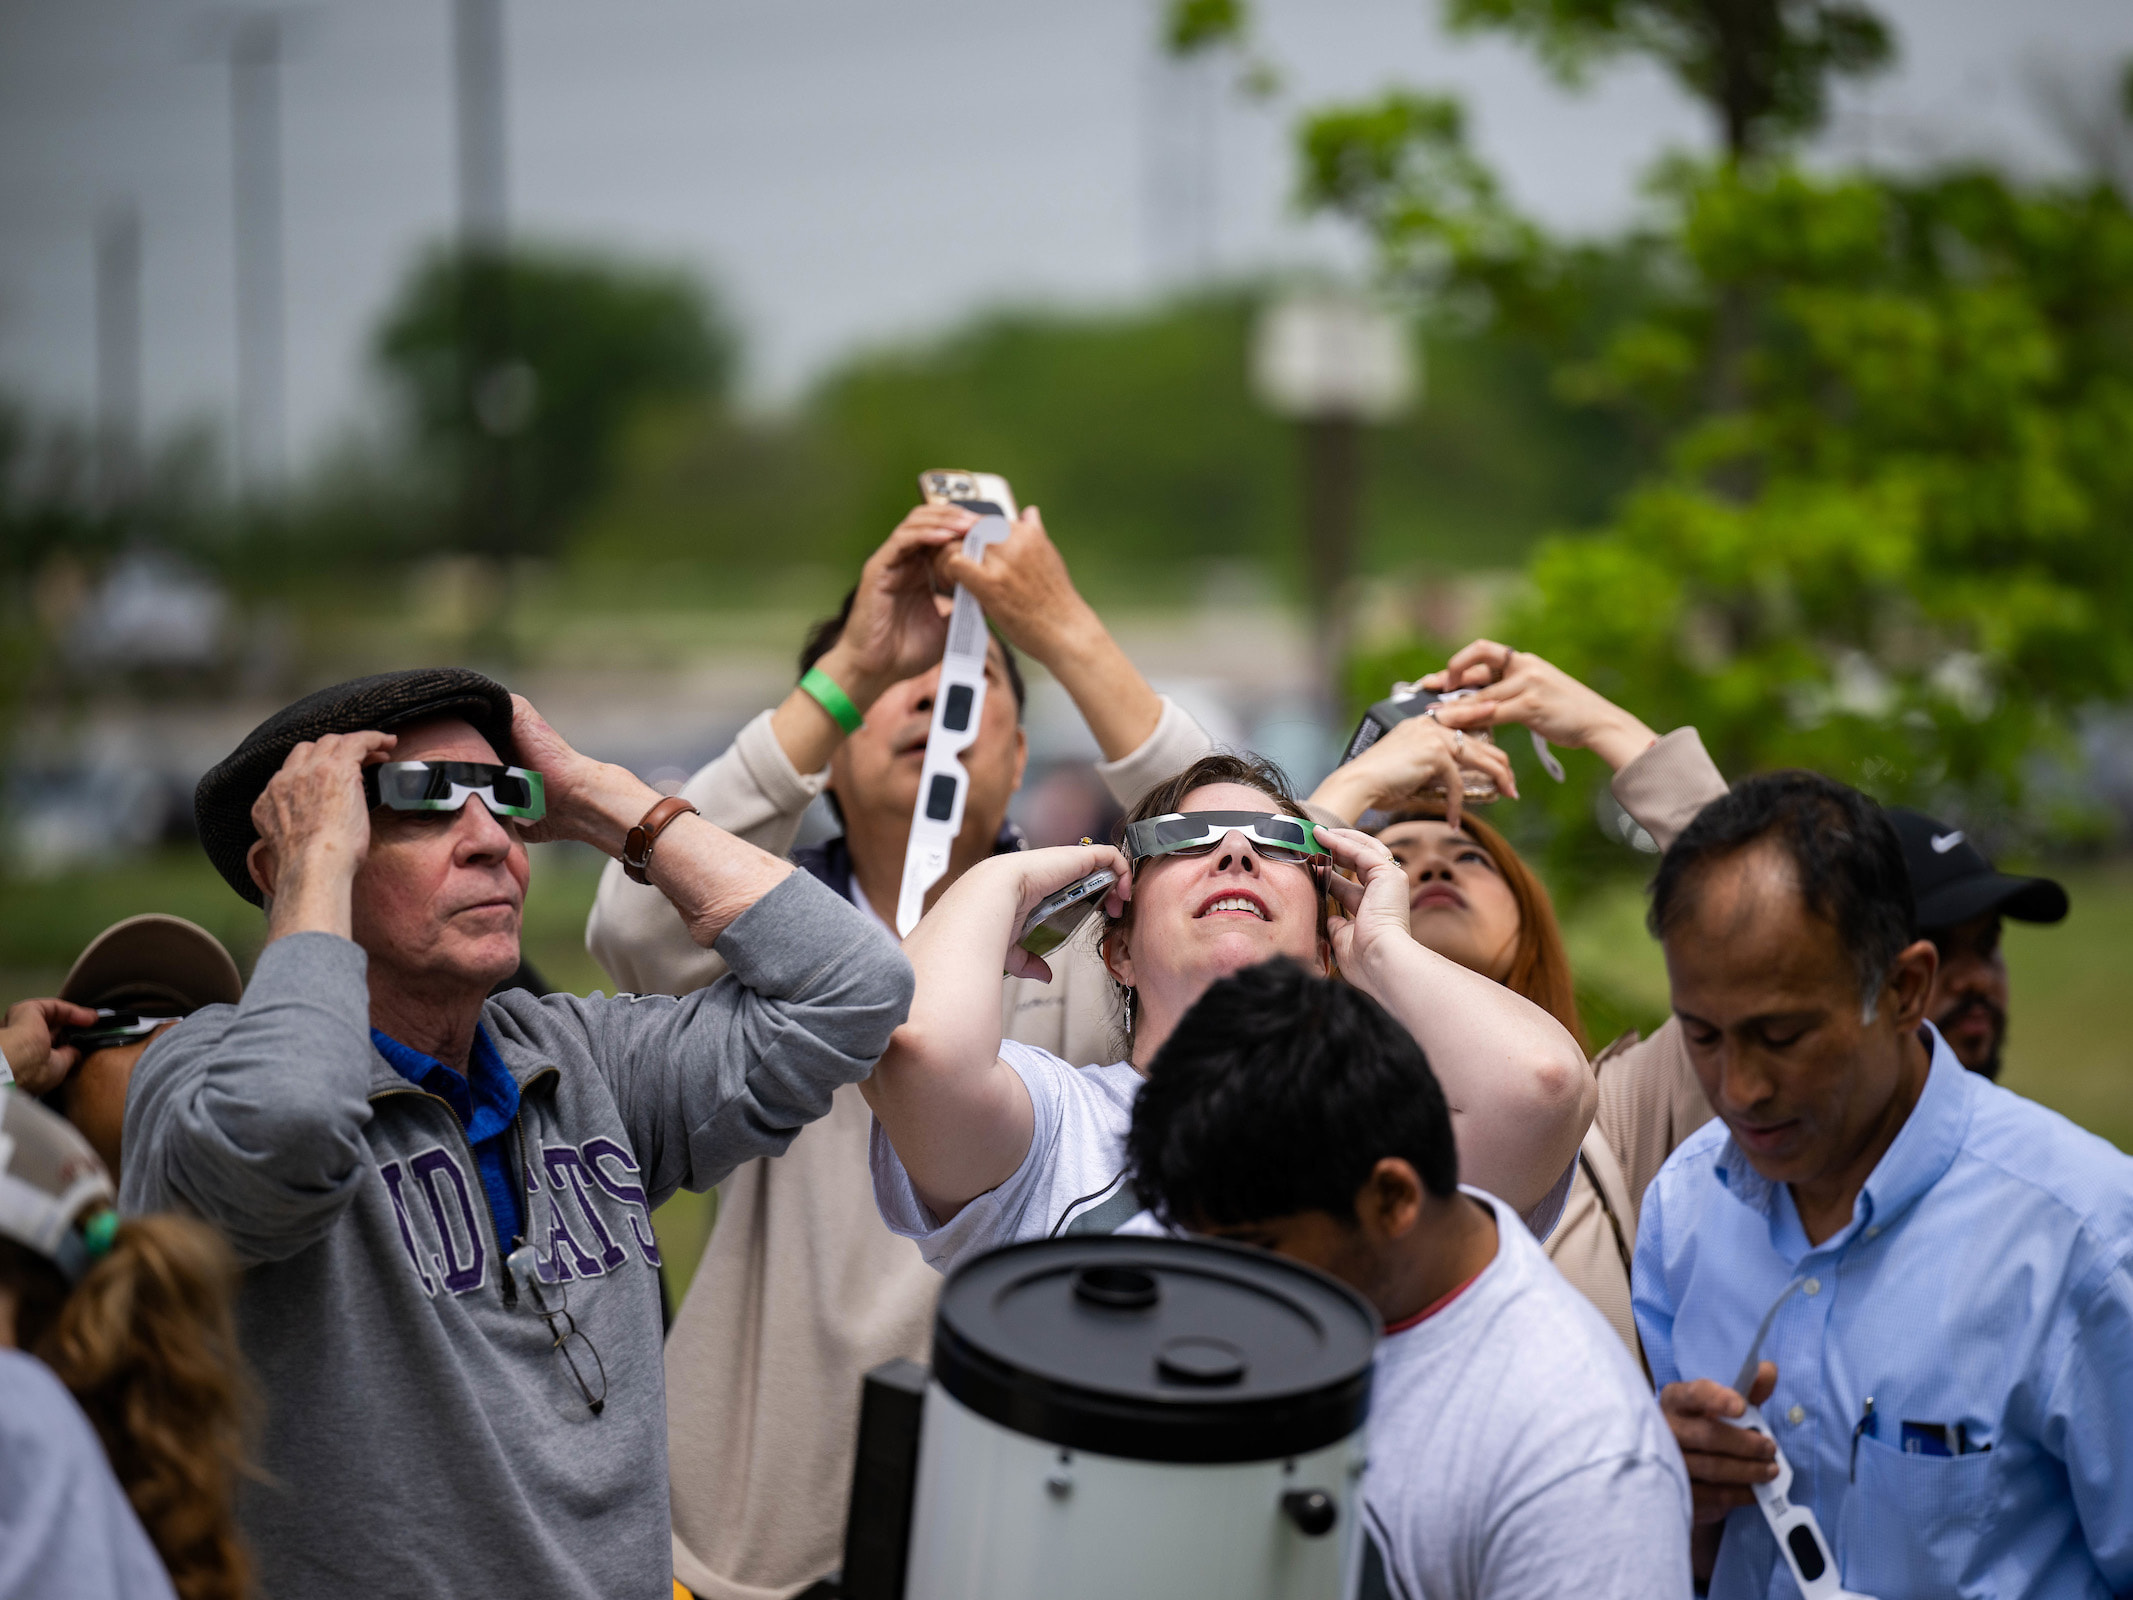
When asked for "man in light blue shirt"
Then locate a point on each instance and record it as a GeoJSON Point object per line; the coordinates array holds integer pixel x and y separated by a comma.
{"type": "Point", "coordinates": [1952, 1379]}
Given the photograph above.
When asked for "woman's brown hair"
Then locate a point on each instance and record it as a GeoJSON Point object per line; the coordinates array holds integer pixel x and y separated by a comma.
{"type": "Point", "coordinates": [147, 1345]}
{"type": "Point", "coordinates": [1540, 967]}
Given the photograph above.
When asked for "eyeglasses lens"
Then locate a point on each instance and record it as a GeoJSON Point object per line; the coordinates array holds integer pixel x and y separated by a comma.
{"type": "Point", "coordinates": [551, 1303]}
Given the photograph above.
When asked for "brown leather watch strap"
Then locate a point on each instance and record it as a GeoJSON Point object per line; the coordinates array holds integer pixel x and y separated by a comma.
{"type": "Point", "coordinates": [637, 847]}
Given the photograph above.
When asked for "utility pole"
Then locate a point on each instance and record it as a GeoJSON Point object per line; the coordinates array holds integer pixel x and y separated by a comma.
{"type": "Point", "coordinates": [496, 388]}
{"type": "Point", "coordinates": [1181, 167]}
{"type": "Point", "coordinates": [118, 355]}
{"type": "Point", "coordinates": [1333, 362]}
{"type": "Point", "coordinates": [478, 57]}
{"type": "Point", "coordinates": [255, 51]}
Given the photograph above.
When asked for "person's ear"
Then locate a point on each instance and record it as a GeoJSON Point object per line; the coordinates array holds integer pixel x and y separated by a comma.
{"type": "Point", "coordinates": [1118, 956]}
{"type": "Point", "coordinates": [1021, 756]}
{"type": "Point", "coordinates": [1390, 1202]}
{"type": "Point", "coordinates": [260, 863]}
{"type": "Point", "coordinates": [1910, 984]}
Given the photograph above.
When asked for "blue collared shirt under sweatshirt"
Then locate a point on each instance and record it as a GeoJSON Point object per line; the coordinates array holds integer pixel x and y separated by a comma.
{"type": "Point", "coordinates": [1986, 1278]}
{"type": "Point", "coordinates": [486, 1101]}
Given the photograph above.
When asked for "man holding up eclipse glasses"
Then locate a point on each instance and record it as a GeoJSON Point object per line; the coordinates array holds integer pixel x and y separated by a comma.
{"type": "Point", "coordinates": [802, 1289]}
{"type": "Point", "coordinates": [442, 1198]}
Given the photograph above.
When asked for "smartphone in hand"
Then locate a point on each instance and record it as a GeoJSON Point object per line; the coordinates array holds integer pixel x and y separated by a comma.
{"type": "Point", "coordinates": [1058, 915]}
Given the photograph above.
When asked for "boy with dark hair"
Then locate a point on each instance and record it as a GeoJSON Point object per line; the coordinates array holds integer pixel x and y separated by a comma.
{"type": "Point", "coordinates": [1514, 1447]}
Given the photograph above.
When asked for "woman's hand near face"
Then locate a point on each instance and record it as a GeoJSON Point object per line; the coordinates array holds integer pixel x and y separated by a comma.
{"type": "Point", "coordinates": [1520, 1092]}
{"type": "Point", "coordinates": [1519, 686]}
{"type": "Point", "coordinates": [1037, 873]}
{"type": "Point", "coordinates": [1413, 756]}
{"type": "Point", "coordinates": [1370, 888]}
{"type": "Point", "coordinates": [959, 1117]}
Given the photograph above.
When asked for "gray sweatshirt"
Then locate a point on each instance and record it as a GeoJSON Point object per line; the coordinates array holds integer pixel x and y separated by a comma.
{"type": "Point", "coordinates": [421, 1435]}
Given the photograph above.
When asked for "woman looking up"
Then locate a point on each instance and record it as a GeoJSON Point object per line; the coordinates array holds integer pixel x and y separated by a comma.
{"type": "Point", "coordinates": [120, 1394]}
{"type": "Point", "coordinates": [980, 1143]}
{"type": "Point", "coordinates": [1473, 900]}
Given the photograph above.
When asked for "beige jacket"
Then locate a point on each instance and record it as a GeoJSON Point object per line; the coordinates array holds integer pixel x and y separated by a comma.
{"type": "Point", "coordinates": [1649, 1097]}
{"type": "Point", "coordinates": [802, 1289]}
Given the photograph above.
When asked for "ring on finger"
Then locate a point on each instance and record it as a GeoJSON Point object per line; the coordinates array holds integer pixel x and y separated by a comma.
{"type": "Point", "coordinates": [1458, 738]}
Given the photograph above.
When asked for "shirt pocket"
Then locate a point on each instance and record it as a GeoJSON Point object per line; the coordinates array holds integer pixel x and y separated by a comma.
{"type": "Point", "coordinates": [1911, 1524]}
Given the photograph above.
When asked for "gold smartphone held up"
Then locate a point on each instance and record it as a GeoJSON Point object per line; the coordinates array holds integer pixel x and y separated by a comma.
{"type": "Point", "coordinates": [974, 491]}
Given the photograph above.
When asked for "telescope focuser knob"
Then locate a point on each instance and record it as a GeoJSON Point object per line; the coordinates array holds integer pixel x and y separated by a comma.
{"type": "Point", "coordinates": [1312, 1510]}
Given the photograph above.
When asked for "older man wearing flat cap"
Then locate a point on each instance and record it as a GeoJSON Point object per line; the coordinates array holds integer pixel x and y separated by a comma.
{"type": "Point", "coordinates": [1961, 898]}
{"type": "Point", "coordinates": [444, 1198]}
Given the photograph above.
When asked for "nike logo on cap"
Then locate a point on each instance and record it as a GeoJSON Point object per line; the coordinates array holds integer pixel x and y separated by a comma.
{"type": "Point", "coordinates": [1944, 842]}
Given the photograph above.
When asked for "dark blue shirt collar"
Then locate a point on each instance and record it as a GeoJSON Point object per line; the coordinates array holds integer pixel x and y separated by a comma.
{"type": "Point", "coordinates": [485, 1099]}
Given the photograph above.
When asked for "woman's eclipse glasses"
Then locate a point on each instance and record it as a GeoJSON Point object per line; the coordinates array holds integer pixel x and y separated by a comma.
{"type": "Point", "coordinates": [1196, 833]}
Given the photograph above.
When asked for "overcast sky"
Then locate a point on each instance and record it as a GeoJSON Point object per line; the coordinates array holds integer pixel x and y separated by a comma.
{"type": "Point", "coordinates": [846, 171]}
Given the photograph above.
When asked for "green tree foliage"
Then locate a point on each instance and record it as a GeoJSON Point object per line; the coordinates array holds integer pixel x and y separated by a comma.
{"type": "Point", "coordinates": [1886, 529]}
{"type": "Point", "coordinates": [1903, 556]}
{"type": "Point", "coordinates": [1762, 66]}
{"type": "Point", "coordinates": [555, 351]}
{"type": "Point", "coordinates": [1137, 434]}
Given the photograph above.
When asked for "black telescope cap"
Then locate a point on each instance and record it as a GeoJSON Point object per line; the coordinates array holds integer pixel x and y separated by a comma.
{"type": "Point", "coordinates": [222, 804]}
{"type": "Point", "coordinates": [1157, 1349]}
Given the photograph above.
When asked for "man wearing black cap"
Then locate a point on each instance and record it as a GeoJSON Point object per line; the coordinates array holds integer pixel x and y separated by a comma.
{"type": "Point", "coordinates": [442, 1198]}
{"type": "Point", "coordinates": [1961, 900]}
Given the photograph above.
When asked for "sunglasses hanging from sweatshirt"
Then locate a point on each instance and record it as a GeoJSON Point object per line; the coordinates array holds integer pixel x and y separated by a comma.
{"type": "Point", "coordinates": [959, 700]}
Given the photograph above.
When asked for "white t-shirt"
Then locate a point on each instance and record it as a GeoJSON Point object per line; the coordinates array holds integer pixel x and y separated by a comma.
{"type": "Point", "coordinates": [1516, 1452]}
{"type": "Point", "coordinates": [1074, 1178]}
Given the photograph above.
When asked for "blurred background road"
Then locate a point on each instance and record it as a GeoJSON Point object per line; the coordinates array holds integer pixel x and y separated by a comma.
{"type": "Point", "coordinates": [596, 347]}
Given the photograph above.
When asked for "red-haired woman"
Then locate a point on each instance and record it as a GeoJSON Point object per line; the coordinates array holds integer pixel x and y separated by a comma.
{"type": "Point", "coordinates": [1472, 899]}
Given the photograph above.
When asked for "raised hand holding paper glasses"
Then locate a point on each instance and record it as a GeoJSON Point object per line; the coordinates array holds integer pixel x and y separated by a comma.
{"type": "Point", "coordinates": [959, 700]}
{"type": "Point", "coordinates": [1506, 685]}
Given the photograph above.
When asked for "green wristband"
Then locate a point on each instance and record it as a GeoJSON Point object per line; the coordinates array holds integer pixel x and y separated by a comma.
{"type": "Point", "coordinates": [823, 688]}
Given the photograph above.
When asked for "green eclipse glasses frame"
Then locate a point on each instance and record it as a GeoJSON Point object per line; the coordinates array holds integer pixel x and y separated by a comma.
{"type": "Point", "coordinates": [447, 785]}
{"type": "Point", "coordinates": [1274, 836]}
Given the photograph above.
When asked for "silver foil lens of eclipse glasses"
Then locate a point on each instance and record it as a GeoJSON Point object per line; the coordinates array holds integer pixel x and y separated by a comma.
{"type": "Point", "coordinates": [1278, 837]}
{"type": "Point", "coordinates": [447, 785]}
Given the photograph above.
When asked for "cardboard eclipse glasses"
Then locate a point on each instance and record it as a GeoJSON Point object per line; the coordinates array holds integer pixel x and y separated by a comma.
{"type": "Point", "coordinates": [1274, 837]}
{"type": "Point", "coordinates": [447, 785]}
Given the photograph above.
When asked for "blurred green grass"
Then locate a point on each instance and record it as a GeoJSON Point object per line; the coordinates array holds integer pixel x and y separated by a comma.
{"type": "Point", "coordinates": [2064, 1049]}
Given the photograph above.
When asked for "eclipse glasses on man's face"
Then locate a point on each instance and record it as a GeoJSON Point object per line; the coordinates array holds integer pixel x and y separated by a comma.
{"type": "Point", "coordinates": [1197, 833]}
{"type": "Point", "coordinates": [447, 785]}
